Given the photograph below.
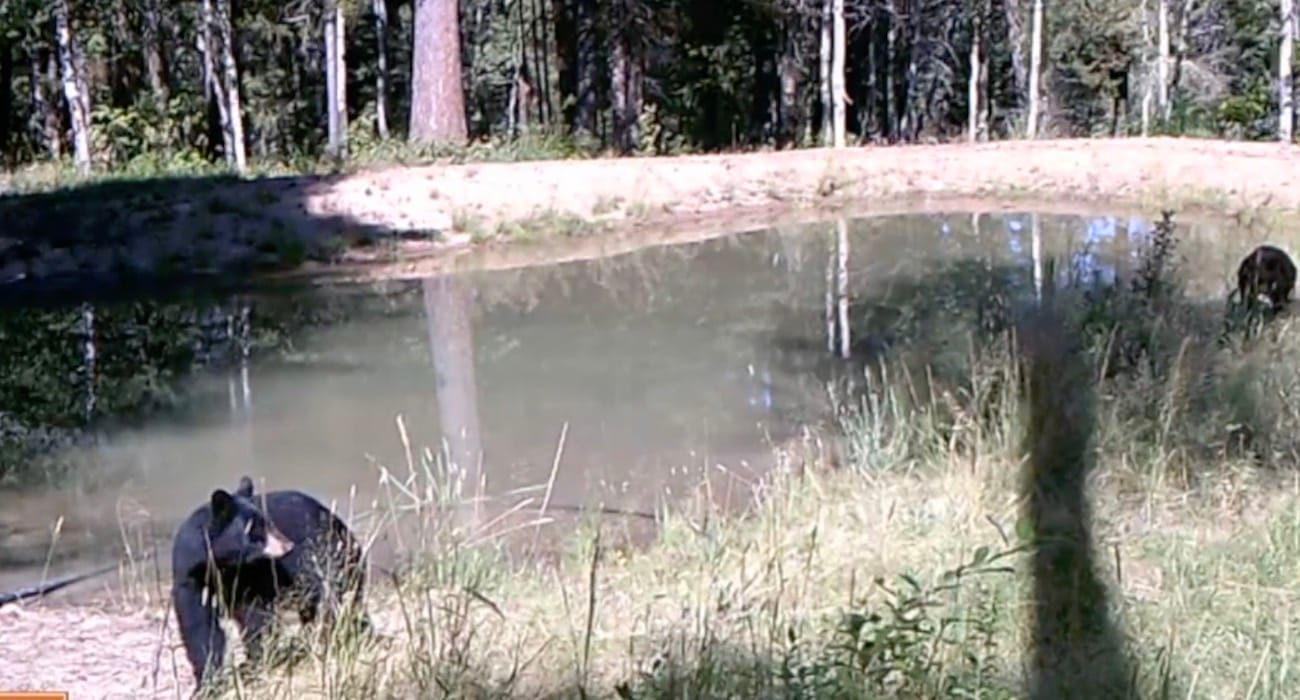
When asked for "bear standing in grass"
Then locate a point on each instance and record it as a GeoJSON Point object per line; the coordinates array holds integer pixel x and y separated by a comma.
{"type": "Point", "coordinates": [243, 555]}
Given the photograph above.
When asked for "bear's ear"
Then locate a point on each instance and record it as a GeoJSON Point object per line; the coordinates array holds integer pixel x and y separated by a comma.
{"type": "Point", "coordinates": [223, 507]}
{"type": "Point", "coordinates": [245, 487]}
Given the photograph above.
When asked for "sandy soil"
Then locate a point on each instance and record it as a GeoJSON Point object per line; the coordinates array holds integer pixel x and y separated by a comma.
{"type": "Point", "coordinates": [417, 221]}
{"type": "Point", "coordinates": [97, 652]}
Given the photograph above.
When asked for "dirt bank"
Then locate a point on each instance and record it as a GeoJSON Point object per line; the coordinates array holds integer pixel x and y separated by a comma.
{"type": "Point", "coordinates": [415, 221]}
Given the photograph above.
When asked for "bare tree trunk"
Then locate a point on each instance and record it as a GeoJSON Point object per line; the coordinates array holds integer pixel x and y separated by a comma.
{"type": "Point", "coordinates": [824, 64]}
{"type": "Point", "coordinates": [437, 98]}
{"type": "Point", "coordinates": [619, 69]}
{"type": "Point", "coordinates": [448, 304]}
{"type": "Point", "coordinates": [1147, 71]}
{"type": "Point", "coordinates": [1162, 62]}
{"type": "Point", "coordinates": [336, 79]}
{"type": "Point", "coordinates": [521, 92]}
{"type": "Point", "coordinates": [838, 94]}
{"type": "Point", "coordinates": [585, 110]}
{"type": "Point", "coordinates": [1184, 17]}
{"type": "Point", "coordinates": [6, 97]}
{"type": "Point", "coordinates": [229, 87]}
{"type": "Point", "coordinates": [1285, 90]}
{"type": "Point", "coordinates": [1016, 46]}
{"type": "Point", "coordinates": [380, 8]}
{"type": "Point", "coordinates": [211, 84]}
{"type": "Point", "coordinates": [547, 32]}
{"type": "Point", "coordinates": [1035, 69]}
{"type": "Point", "coordinates": [73, 87]}
{"type": "Point", "coordinates": [788, 75]}
{"type": "Point", "coordinates": [153, 61]}
{"type": "Point", "coordinates": [44, 119]}
{"type": "Point", "coordinates": [973, 87]}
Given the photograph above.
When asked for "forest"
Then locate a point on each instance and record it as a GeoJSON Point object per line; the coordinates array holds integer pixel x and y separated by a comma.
{"type": "Point", "coordinates": [148, 86]}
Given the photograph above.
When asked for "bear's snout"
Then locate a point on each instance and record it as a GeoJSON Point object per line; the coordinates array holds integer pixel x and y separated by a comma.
{"type": "Point", "coordinates": [277, 545]}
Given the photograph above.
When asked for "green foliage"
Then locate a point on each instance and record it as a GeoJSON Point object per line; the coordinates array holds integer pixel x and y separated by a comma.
{"type": "Point", "coordinates": [700, 76]}
{"type": "Point", "coordinates": [914, 639]}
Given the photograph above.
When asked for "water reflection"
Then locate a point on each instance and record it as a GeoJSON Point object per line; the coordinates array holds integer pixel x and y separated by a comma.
{"type": "Point", "coordinates": [656, 367]}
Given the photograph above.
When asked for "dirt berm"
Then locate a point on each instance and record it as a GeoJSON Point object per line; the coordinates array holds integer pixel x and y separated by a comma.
{"type": "Point", "coordinates": [417, 221]}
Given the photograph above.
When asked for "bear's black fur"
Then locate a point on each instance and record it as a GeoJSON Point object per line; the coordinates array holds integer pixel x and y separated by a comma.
{"type": "Point", "coordinates": [248, 553]}
{"type": "Point", "coordinates": [1269, 271]}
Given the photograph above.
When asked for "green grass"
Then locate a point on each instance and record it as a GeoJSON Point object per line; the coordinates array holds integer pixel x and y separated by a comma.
{"type": "Point", "coordinates": [902, 574]}
{"type": "Point", "coordinates": [365, 153]}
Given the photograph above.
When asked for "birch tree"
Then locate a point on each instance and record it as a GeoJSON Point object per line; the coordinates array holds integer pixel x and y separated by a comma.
{"type": "Point", "coordinates": [1285, 96]}
{"type": "Point", "coordinates": [380, 11]}
{"type": "Point", "coordinates": [74, 88]}
{"type": "Point", "coordinates": [838, 92]}
{"type": "Point", "coordinates": [824, 72]}
{"type": "Point", "coordinates": [336, 79]}
{"type": "Point", "coordinates": [228, 85]}
{"type": "Point", "coordinates": [973, 86]}
{"type": "Point", "coordinates": [1035, 68]}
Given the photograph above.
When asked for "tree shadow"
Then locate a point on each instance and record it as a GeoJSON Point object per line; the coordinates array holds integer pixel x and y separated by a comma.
{"type": "Point", "coordinates": [167, 236]}
{"type": "Point", "coordinates": [1077, 649]}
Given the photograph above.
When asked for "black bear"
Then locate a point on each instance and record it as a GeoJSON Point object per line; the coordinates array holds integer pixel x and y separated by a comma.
{"type": "Point", "coordinates": [249, 554]}
{"type": "Point", "coordinates": [1269, 271]}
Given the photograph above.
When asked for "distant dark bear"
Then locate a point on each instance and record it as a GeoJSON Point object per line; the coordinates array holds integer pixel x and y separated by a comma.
{"type": "Point", "coordinates": [1269, 271]}
{"type": "Point", "coordinates": [250, 554]}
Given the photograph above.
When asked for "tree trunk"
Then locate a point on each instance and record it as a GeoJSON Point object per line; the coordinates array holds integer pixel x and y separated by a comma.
{"type": "Point", "coordinates": [380, 8]}
{"type": "Point", "coordinates": [543, 22]}
{"type": "Point", "coordinates": [448, 304]}
{"type": "Point", "coordinates": [44, 123]}
{"type": "Point", "coordinates": [1162, 61]}
{"type": "Point", "coordinates": [336, 79]}
{"type": "Point", "coordinates": [1035, 69]}
{"type": "Point", "coordinates": [1285, 90]}
{"type": "Point", "coordinates": [584, 116]}
{"type": "Point", "coordinates": [6, 97]}
{"type": "Point", "coordinates": [228, 89]}
{"type": "Point", "coordinates": [437, 98]}
{"type": "Point", "coordinates": [1147, 69]}
{"type": "Point", "coordinates": [211, 85]}
{"type": "Point", "coordinates": [153, 61]}
{"type": "Point", "coordinates": [973, 87]}
{"type": "Point", "coordinates": [619, 69]}
{"type": "Point", "coordinates": [838, 94]}
{"type": "Point", "coordinates": [73, 87]}
{"type": "Point", "coordinates": [788, 70]}
{"type": "Point", "coordinates": [1175, 80]}
{"type": "Point", "coordinates": [119, 38]}
{"type": "Point", "coordinates": [824, 72]}
{"type": "Point", "coordinates": [1016, 41]}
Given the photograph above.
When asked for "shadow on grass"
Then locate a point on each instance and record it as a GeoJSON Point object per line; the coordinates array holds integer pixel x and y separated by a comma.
{"type": "Point", "coordinates": [161, 236]}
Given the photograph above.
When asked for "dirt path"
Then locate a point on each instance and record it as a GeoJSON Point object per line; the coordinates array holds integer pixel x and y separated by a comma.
{"type": "Point", "coordinates": [586, 208]}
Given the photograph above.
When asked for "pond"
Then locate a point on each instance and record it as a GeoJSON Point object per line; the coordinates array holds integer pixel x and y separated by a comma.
{"type": "Point", "coordinates": [618, 382]}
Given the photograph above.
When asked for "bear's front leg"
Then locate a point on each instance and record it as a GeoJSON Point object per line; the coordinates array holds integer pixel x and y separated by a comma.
{"type": "Point", "coordinates": [205, 642]}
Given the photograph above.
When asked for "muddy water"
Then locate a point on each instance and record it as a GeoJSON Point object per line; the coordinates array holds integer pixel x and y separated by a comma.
{"type": "Point", "coordinates": [656, 368]}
